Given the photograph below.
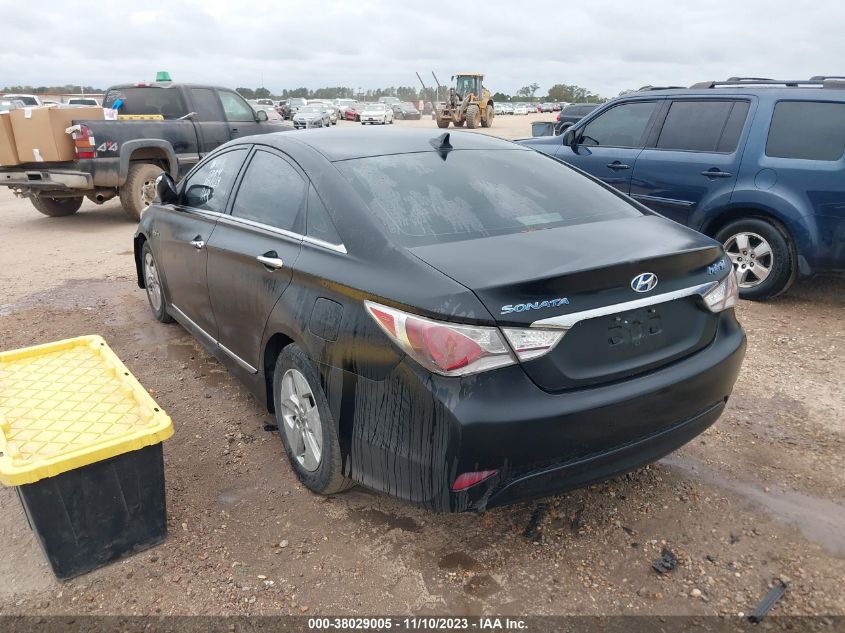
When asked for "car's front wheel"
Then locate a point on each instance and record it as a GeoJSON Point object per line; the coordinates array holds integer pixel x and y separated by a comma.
{"type": "Point", "coordinates": [152, 284]}
{"type": "Point", "coordinates": [308, 430]}
{"type": "Point", "coordinates": [761, 257]}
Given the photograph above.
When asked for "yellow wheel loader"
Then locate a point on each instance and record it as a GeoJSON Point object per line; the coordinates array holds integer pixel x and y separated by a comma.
{"type": "Point", "coordinates": [469, 103]}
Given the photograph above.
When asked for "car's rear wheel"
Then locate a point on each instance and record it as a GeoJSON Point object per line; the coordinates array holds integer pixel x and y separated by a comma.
{"type": "Point", "coordinates": [308, 430]}
{"type": "Point", "coordinates": [56, 207]}
{"type": "Point", "coordinates": [152, 284]}
{"type": "Point", "coordinates": [761, 257]}
{"type": "Point", "coordinates": [139, 190]}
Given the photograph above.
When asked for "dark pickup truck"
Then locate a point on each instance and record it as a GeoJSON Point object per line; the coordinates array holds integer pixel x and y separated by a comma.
{"type": "Point", "coordinates": [127, 156]}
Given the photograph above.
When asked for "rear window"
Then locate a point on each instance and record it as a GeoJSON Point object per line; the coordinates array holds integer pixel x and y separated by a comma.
{"type": "Point", "coordinates": [164, 101]}
{"type": "Point", "coordinates": [422, 199]}
{"type": "Point", "coordinates": [811, 130]}
{"type": "Point", "coordinates": [703, 126]}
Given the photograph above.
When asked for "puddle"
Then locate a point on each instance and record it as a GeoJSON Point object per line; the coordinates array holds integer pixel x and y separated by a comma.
{"type": "Point", "coordinates": [458, 561]}
{"type": "Point", "coordinates": [818, 519]}
{"type": "Point", "coordinates": [385, 519]}
{"type": "Point", "coordinates": [482, 586]}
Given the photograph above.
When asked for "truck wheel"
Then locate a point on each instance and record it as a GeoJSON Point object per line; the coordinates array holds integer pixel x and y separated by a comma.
{"type": "Point", "coordinates": [139, 190]}
{"type": "Point", "coordinates": [488, 122]}
{"type": "Point", "coordinates": [307, 427]}
{"type": "Point", "coordinates": [56, 207]}
{"type": "Point", "coordinates": [442, 123]}
{"type": "Point", "coordinates": [459, 123]}
{"type": "Point", "coordinates": [761, 257]}
{"type": "Point", "coordinates": [473, 117]}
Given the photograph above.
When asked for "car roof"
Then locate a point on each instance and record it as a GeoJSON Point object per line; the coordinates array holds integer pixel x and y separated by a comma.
{"type": "Point", "coordinates": [348, 143]}
{"type": "Point", "coordinates": [832, 91]}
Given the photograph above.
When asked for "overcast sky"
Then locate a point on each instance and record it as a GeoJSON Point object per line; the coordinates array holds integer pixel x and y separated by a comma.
{"type": "Point", "coordinates": [603, 45]}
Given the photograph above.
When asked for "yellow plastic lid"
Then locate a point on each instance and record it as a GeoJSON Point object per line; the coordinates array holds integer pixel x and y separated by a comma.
{"type": "Point", "coordinates": [68, 404]}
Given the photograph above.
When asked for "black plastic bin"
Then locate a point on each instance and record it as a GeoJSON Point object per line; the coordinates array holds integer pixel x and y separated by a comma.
{"type": "Point", "coordinates": [96, 514]}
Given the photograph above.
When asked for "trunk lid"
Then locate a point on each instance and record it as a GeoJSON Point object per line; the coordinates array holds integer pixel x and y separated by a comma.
{"type": "Point", "coordinates": [526, 277]}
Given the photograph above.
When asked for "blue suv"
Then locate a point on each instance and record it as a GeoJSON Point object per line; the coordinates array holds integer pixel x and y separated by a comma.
{"type": "Point", "coordinates": [758, 164]}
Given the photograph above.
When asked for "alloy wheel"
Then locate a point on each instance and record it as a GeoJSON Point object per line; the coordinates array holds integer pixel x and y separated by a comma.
{"type": "Point", "coordinates": [752, 258]}
{"type": "Point", "coordinates": [151, 281]}
{"type": "Point", "coordinates": [302, 425]}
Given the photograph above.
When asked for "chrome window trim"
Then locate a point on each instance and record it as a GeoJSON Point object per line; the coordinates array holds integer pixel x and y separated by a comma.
{"type": "Point", "coordinates": [338, 248]}
{"type": "Point", "coordinates": [231, 219]}
{"type": "Point", "coordinates": [567, 321]}
{"type": "Point", "coordinates": [240, 361]}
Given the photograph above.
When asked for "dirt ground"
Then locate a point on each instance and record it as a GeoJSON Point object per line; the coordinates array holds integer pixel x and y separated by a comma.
{"type": "Point", "coordinates": [757, 497]}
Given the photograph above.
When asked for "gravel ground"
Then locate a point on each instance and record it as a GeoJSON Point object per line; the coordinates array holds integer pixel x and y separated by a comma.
{"type": "Point", "coordinates": [758, 497]}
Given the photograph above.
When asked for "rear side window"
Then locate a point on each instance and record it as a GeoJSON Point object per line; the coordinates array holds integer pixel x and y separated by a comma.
{"type": "Point", "coordinates": [164, 101]}
{"type": "Point", "coordinates": [811, 130]}
{"type": "Point", "coordinates": [622, 126]}
{"type": "Point", "coordinates": [703, 126]}
{"type": "Point", "coordinates": [318, 224]}
{"type": "Point", "coordinates": [208, 187]}
{"type": "Point", "coordinates": [207, 105]}
{"type": "Point", "coordinates": [423, 199]}
{"type": "Point", "coordinates": [271, 192]}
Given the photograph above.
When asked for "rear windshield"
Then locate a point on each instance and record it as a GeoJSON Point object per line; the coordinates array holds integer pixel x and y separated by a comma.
{"type": "Point", "coordinates": [27, 101]}
{"type": "Point", "coordinates": [422, 199]}
{"type": "Point", "coordinates": [164, 101]}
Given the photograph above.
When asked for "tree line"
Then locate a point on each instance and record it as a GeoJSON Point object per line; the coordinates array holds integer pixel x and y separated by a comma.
{"type": "Point", "coordinates": [569, 93]}
{"type": "Point", "coordinates": [559, 92]}
{"type": "Point", "coordinates": [52, 90]}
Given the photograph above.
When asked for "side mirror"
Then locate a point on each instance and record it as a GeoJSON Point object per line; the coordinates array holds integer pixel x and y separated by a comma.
{"type": "Point", "coordinates": [166, 189]}
{"type": "Point", "coordinates": [261, 115]}
{"type": "Point", "coordinates": [197, 195]}
{"type": "Point", "coordinates": [570, 137]}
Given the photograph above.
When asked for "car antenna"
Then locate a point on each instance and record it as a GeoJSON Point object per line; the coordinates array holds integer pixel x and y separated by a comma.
{"type": "Point", "coordinates": [442, 144]}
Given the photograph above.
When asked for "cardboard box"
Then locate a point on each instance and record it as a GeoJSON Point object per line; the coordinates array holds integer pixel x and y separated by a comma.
{"type": "Point", "coordinates": [40, 132]}
{"type": "Point", "coordinates": [8, 151]}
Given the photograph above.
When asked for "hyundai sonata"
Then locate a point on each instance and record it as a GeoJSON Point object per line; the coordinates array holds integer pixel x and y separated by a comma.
{"type": "Point", "coordinates": [455, 320]}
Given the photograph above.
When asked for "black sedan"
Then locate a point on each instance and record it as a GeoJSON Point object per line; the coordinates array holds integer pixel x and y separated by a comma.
{"type": "Point", "coordinates": [455, 320]}
{"type": "Point", "coordinates": [406, 111]}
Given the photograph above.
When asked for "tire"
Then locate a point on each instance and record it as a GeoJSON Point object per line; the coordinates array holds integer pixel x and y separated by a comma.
{"type": "Point", "coordinates": [320, 473]}
{"type": "Point", "coordinates": [138, 191]}
{"type": "Point", "coordinates": [488, 122]}
{"type": "Point", "coordinates": [56, 207]}
{"type": "Point", "coordinates": [442, 123]}
{"type": "Point", "coordinates": [473, 117]}
{"type": "Point", "coordinates": [153, 285]}
{"type": "Point", "coordinates": [460, 123]}
{"type": "Point", "coordinates": [754, 242]}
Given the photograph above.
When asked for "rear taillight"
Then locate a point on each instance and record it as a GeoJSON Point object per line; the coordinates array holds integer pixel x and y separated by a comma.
{"type": "Point", "coordinates": [451, 349]}
{"type": "Point", "coordinates": [529, 343]}
{"type": "Point", "coordinates": [83, 141]}
{"type": "Point", "coordinates": [444, 348]}
{"type": "Point", "coordinates": [724, 295]}
{"type": "Point", "coordinates": [465, 480]}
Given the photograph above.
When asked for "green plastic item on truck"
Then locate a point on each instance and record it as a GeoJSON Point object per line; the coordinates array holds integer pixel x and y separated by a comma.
{"type": "Point", "coordinates": [68, 404]}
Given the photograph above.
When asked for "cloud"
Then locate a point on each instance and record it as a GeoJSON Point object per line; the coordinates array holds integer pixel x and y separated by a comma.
{"type": "Point", "coordinates": [606, 46]}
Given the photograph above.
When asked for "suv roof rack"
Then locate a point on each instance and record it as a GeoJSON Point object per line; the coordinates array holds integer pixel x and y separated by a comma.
{"type": "Point", "coordinates": [644, 88]}
{"type": "Point", "coordinates": [819, 81]}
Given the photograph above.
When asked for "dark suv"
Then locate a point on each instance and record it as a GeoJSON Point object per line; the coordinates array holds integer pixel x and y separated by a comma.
{"type": "Point", "coordinates": [756, 163]}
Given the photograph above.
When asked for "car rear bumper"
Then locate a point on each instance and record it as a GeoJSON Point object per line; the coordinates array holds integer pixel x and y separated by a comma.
{"type": "Point", "coordinates": [414, 433]}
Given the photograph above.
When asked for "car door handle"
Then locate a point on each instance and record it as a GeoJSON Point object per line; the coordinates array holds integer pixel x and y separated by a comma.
{"type": "Point", "coordinates": [617, 165]}
{"type": "Point", "coordinates": [271, 261]}
{"type": "Point", "coordinates": [197, 243]}
{"type": "Point", "coordinates": [715, 172]}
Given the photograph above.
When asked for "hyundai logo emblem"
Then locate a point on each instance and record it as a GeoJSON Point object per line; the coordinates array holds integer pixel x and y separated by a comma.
{"type": "Point", "coordinates": [644, 282]}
